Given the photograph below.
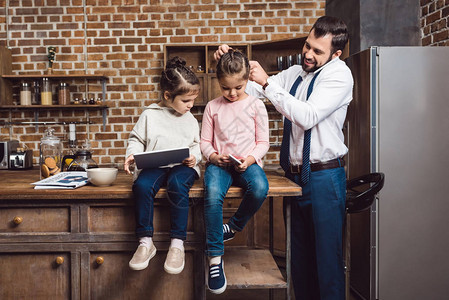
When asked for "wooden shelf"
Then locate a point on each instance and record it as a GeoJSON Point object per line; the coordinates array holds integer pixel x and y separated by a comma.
{"type": "Point", "coordinates": [252, 269]}
{"type": "Point", "coordinates": [74, 106]}
{"type": "Point", "coordinates": [56, 76]}
{"type": "Point", "coordinates": [7, 81]}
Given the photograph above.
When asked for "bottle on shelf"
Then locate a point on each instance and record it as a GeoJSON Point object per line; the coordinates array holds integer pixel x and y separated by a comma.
{"type": "Point", "coordinates": [25, 94]}
{"type": "Point", "coordinates": [36, 93]}
{"type": "Point", "coordinates": [63, 94]}
{"type": "Point", "coordinates": [46, 94]}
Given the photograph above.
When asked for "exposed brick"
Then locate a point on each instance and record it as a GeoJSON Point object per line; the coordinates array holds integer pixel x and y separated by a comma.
{"type": "Point", "coordinates": [270, 21]}
{"type": "Point", "coordinates": [219, 23]}
{"type": "Point", "coordinates": [433, 17]}
{"type": "Point", "coordinates": [180, 8]}
{"type": "Point", "coordinates": [256, 6]}
{"type": "Point", "coordinates": [204, 8]}
{"type": "Point", "coordinates": [144, 25]}
{"type": "Point", "coordinates": [206, 39]}
{"type": "Point", "coordinates": [229, 7]}
{"type": "Point", "coordinates": [441, 36]}
{"type": "Point", "coordinates": [180, 39]}
{"type": "Point", "coordinates": [244, 22]}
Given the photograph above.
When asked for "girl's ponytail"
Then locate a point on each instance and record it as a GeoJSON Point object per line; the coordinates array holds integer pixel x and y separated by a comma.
{"type": "Point", "coordinates": [177, 79]}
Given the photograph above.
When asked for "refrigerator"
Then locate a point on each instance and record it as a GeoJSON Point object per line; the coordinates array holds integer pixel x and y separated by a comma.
{"type": "Point", "coordinates": [398, 124]}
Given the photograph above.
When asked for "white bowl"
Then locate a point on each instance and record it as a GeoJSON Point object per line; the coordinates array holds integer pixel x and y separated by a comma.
{"type": "Point", "coordinates": [102, 176]}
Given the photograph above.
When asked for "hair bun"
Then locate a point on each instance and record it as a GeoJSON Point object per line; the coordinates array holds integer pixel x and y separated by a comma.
{"type": "Point", "coordinates": [176, 62]}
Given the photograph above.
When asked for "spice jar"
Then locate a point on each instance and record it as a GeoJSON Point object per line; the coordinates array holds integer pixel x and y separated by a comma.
{"type": "Point", "coordinates": [50, 154]}
{"type": "Point", "coordinates": [63, 94]}
{"type": "Point", "coordinates": [46, 94]}
{"type": "Point", "coordinates": [25, 94]}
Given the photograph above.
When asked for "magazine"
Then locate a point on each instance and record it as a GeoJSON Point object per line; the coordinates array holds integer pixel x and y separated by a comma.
{"type": "Point", "coordinates": [63, 180]}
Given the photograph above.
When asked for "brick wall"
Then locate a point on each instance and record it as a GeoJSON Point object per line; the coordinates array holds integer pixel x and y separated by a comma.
{"type": "Point", "coordinates": [124, 41]}
{"type": "Point", "coordinates": [435, 22]}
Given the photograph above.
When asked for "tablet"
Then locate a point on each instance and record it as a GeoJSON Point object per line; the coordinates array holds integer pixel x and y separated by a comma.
{"type": "Point", "coordinates": [161, 158]}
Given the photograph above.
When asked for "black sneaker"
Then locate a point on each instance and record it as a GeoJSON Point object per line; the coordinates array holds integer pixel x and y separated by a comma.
{"type": "Point", "coordinates": [227, 233]}
{"type": "Point", "coordinates": [217, 279]}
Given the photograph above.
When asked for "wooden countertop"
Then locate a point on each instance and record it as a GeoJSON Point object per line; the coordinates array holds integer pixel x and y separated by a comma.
{"type": "Point", "coordinates": [15, 185]}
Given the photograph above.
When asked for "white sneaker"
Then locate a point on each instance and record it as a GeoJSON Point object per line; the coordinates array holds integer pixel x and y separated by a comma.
{"type": "Point", "coordinates": [174, 263]}
{"type": "Point", "coordinates": [141, 257]}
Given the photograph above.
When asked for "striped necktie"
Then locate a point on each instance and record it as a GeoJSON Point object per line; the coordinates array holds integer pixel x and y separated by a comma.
{"type": "Point", "coordinates": [285, 146]}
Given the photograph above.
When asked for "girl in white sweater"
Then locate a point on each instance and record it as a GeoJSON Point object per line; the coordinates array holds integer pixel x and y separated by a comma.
{"type": "Point", "coordinates": [164, 125]}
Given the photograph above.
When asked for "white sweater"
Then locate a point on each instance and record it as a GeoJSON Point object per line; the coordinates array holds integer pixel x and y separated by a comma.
{"type": "Point", "coordinates": [160, 128]}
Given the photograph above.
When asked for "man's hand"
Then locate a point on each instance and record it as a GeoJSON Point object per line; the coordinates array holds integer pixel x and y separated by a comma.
{"type": "Point", "coordinates": [257, 73]}
{"type": "Point", "coordinates": [221, 50]}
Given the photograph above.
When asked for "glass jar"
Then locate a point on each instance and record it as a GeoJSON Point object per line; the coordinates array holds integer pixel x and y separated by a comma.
{"type": "Point", "coordinates": [25, 94]}
{"type": "Point", "coordinates": [36, 93]}
{"type": "Point", "coordinates": [63, 94]}
{"type": "Point", "coordinates": [50, 154]}
{"type": "Point", "coordinates": [46, 94]}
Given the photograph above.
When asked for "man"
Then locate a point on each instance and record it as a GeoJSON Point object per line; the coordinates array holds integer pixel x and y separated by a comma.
{"type": "Point", "coordinates": [314, 109]}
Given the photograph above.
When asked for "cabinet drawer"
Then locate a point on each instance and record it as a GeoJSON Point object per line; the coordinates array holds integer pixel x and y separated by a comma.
{"type": "Point", "coordinates": [35, 219]}
{"type": "Point", "coordinates": [122, 219]}
{"type": "Point", "coordinates": [35, 276]}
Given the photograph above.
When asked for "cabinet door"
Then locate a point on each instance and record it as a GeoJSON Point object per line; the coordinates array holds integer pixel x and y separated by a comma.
{"type": "Point", "coordinates": [35, 276]}
{"type": "Point", "coordinates": [111, 278]}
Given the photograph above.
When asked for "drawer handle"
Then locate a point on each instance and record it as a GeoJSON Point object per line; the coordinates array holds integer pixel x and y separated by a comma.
{"type": "Point", "coordinates": [17, 220]}
{"type": "Point", "coordinates": [99, 260]}
{"type": "Point", "coordinates": [59, 260]}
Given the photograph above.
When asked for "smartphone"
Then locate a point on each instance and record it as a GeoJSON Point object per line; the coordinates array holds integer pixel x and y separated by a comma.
{"type": "Point", "coordinates": [235, 160]}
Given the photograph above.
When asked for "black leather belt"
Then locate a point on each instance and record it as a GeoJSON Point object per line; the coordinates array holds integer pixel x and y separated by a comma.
{"type": "Point", "coordinates": [330, 164]}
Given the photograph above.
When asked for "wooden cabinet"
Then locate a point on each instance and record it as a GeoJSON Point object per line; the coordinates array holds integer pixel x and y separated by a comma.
{"type": "Point", "coordinates": [61, 244]}
{"type": "Point", "coordinates": [75, 248]}
{"type": "Point", "coordinates": [203, 55]}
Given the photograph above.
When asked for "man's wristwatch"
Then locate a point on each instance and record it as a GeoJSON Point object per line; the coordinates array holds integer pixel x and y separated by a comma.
{"type": "Point", "coordinates": [265, 86]}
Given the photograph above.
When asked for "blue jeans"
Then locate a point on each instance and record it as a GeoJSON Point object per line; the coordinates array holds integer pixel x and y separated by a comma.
{"type": "Point", "coordinates": [178, 180]}
{"type": "Point", "coordinates": [217, 182]}
{"type": "Point", "coordinates": [316, 236]}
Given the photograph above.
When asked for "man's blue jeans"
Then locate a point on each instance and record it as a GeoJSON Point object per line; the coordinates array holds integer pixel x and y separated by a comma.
{"type": "Point", "coordinates": [217, 182]}
{"type": "Point", "coordinates": [316, 236]}
{"type": "Point", "coordinates": [178, 180]}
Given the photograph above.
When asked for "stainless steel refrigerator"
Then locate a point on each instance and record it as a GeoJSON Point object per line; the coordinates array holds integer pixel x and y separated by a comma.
{"type": "Point", "coordinates": [398, 124]}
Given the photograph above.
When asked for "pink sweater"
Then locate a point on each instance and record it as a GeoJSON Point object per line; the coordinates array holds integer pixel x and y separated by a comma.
{"type": "Point", "coordinates": [239, 128]}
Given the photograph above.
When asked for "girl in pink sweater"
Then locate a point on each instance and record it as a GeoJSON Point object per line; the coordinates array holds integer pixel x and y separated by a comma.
{"type": "Point", "coordinates": [234, 124]}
